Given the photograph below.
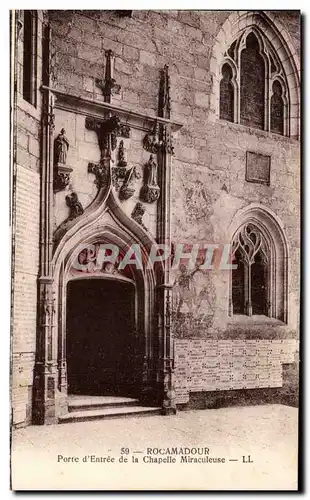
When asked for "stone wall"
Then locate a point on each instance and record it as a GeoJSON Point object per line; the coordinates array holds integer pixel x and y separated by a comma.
{"type": "Point", "coordinates": [208, 168]}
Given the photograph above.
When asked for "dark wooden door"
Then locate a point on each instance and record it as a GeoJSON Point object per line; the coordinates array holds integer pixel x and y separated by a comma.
{"type": "Point", "coordinates": [101, 340]}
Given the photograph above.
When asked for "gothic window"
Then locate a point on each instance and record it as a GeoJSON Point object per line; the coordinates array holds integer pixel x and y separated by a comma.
{"type": "Point", "coordinates": [29, 56]}
{"type": "Point", "coordinates": [276, 109]}
{"type": "Point", "coordinates": [238, 281]}
{"type": "Point", "coordinates": [250, 293]}
{"type": "Point", "coordinates": [252, 87]}
{"type": "Point", "coordinates": [227, 94]}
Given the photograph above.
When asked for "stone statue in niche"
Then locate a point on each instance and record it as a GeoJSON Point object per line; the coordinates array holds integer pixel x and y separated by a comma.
{"type": "Point", "coordinates": [151, 141]}
{"type": "Point", "coordinates": [61, 170]}
{"type": "Point", "coordinates": [75, 206]}
{"type": "Point", "coordinates": [150, 191]}
{"type": "Point", "coordinates": [61, 147]}
{"type": "Point", "coordinates": [122, 162]}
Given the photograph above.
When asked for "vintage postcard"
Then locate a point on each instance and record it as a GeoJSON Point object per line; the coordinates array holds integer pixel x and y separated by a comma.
{"type": "Point", "coordinates": [155, 166]}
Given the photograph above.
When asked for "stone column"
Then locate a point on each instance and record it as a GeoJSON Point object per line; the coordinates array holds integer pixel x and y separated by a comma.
{"type": "Point", "coordinates": [168, 396]}
{"type": "Point", "coordinates": [166, 371]}
{"type": "Point", "coordinates": [46, 373]}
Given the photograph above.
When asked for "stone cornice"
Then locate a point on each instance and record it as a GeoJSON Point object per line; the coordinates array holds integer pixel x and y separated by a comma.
{"type": "Point", "coordinates": [95, 108]}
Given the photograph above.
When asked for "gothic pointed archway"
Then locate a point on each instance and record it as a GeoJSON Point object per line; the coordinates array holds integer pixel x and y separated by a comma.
{"type": "Point", "coordinates": [142, 333]}
{"type": "Point", "coordinates": [106, 225]}
{"type": "Point", "coordinates": [104, 220]}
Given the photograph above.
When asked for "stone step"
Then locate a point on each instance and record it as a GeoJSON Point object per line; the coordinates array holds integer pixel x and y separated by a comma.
{"type": "Point", "coordinates": [108, 413]}
{"type": "Point", "coordinates": [86, 403]}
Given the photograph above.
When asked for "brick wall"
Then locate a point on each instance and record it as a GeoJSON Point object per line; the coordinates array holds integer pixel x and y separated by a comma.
{"type": "Point", "coordinates": [26, 242]}
{"type": "Point", "coordinates": [25, 290]}
{"type": "Point", "coordinates": [217, 365]}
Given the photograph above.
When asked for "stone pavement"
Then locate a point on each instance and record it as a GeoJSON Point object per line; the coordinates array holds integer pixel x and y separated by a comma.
{"type": "Point", "coordinates": [51, 457]}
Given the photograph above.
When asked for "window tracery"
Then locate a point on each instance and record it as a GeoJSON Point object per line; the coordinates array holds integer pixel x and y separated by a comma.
{"type": "Point", "coordinates": [253, 85]}
{"type": "Point", "coordinates": [251, 278]}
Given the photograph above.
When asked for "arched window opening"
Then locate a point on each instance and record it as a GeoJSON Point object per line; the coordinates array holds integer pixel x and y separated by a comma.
{"type": "Point", "coordinates": [252, 85]}
{"type": "Point", "coordinates": [231, 51]}
{"type": "Point", "coordinates": [250, 287]}
{"type": "Point", "coordinates": [259, 285]}
{"type": "Point", "coordinates": [277, 109]}
{"type": "Point", "coordinates": [238, 281]}
{"type": "Point", "coordinates": [227, 94]}
{"type": "Point", "coordinates": [29, 56]}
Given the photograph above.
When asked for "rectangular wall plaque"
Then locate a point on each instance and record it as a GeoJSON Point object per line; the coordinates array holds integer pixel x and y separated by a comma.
{"type": "Point", "coordinates": [257, 168]}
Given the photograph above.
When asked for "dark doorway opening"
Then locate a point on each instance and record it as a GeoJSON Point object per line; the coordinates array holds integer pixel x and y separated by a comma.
{"type": "Point", "coordinates": [101, 337]}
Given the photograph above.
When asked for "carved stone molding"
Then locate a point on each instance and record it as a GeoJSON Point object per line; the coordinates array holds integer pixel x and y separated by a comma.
{"type": "Point", "coordinates": [123, 180]}
{"type": "Point", "coordinates": [49, 119]}
{"type": "Point", "coordinates": [150, 194]}
{"type": "Point", "coordinates": [127, 190]}
{"type": "Point", "coordinates": [105, 129]}
{"type": "Point", "coordinates": [167, 144]}
{"type": "Point", "coordinates": [123, 131]}
{"type": "Point", "coordinates": [102, 173]}
{"type": "Point", "coordinates": [75, 206]}
{"type": "Point", "coordinates": [164, 101]}
{"type": "Point", "coordinates": [151, 141]}
{"type": "Point", "coordinates": [97, 109]}
{"type": "Point", "coordinates": [121, 155]}
{"type": "Point", "coordinates": [137, 213]}
{"type": "Point", "coordinates": [48, 306]}
{"type": "Point", "coordinates": [108, 85]}
{"type": "Point", "coordinates": [61, 177]}
{"type": "Point", "coordinates": [19, 23]}
{"type": "Point", "coordinates": [118, 176]}
{"type": "Point", "coordinates": [158, 140]}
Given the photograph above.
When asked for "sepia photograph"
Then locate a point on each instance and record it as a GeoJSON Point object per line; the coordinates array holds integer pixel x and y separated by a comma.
{"type": "Point", "coordinates": [155, 263]}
